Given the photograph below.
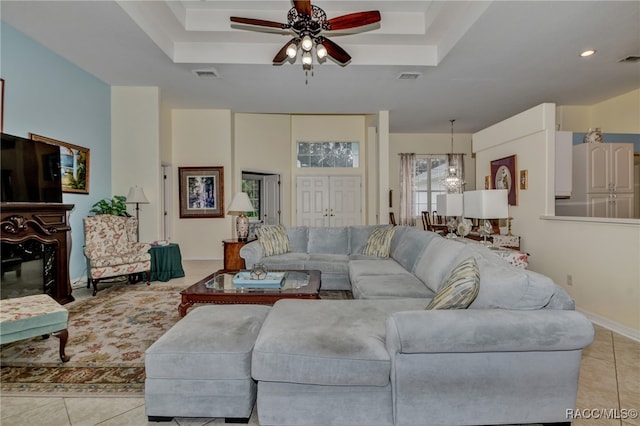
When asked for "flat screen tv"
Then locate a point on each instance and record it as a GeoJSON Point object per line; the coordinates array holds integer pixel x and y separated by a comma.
{"type": "Point", "coordinates": [30, 171]}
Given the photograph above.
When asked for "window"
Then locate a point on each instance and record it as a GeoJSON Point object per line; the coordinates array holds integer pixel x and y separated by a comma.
{"type": "Point", "coordinates": [430, 170]}
{"type": "Point", "coordinates": [328, 154]}
{"type": "Point", "coordinates": [252, 186]}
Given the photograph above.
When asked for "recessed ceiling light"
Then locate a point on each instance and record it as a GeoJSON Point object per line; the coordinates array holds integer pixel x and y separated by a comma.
{"type": "Point", "coordinates": [587, 53]}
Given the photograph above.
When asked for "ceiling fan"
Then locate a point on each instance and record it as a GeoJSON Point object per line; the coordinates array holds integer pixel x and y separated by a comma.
{"type": "Point", "coordinates": [308, 23]}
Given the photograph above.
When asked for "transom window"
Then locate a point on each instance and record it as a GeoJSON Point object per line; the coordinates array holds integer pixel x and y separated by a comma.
{"type": "Point", "coordinates": [328, 154]}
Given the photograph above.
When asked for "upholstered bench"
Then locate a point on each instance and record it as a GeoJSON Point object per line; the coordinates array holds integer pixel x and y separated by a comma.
{"type": "Point", "coordinates": [30, 316]}
{"type": "Point", "coordinates": [201, 367]}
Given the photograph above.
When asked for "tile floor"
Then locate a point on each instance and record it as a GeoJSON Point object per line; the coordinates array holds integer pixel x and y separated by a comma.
{"type": "Point", "coordinates": [609, 380]}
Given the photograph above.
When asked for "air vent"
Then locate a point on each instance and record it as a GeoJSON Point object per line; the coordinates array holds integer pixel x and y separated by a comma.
{"type": "Point", "coordinates": [207, 73]}
{"type": "Point", "coordinates": [409, 76]}
{"type": "Point", "coordinates": [631, 58]}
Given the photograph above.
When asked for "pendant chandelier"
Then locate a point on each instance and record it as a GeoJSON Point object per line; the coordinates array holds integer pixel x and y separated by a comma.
{"type": "Point", "coordinates": [454, 181]}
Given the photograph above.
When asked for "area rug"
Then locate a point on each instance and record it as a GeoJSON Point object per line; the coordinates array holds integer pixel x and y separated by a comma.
{"type": "Point", "coordinates": [108, 335]}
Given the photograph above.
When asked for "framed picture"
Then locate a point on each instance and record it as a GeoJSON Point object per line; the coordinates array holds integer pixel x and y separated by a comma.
{"type": "Point", "coordinates": [74, 165]}
{"type": "Point", "coordinates": [487, 182]}
{"type": "Point", "coordinates": [201, 192]}
{"type": "Point", "coordinates": [503, 176]}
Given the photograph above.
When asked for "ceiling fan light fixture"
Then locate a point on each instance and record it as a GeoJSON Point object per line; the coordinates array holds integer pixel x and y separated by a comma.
{"type": "Point", "coordinates": [307, 59]}
{"type": "Point", "coordinates": [321, 51]}
{"type": "Point", "coordinates": [292, 50]}
{"type": "Point", "coordinates": [307, 43]}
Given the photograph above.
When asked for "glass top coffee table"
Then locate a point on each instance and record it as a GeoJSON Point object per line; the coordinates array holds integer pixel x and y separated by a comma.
{"type": "Point", "coordinates": [218, 288]}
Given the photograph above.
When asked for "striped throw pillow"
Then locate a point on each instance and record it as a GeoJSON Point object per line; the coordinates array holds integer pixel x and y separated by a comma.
{"type": "Point", "coordinates": [379, 242]}
{"type": "Point", "coordinates": [461, 287]}
{"type": "Point", "coordinates": [273, 240]}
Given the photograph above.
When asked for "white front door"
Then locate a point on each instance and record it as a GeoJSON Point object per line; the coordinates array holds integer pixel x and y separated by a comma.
{"type": "Point", "coordinates": [312, 201]}
{"type": "Point", "coordinates": [345, 201]}
{"type": "Point", "coordinates": [328, 201]}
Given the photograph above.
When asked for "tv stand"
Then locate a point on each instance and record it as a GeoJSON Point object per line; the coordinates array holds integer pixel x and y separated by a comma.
{"type": "Point", "coordinates": [46, 225]}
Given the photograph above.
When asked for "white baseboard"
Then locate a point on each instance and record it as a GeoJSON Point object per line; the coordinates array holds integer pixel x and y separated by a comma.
{"type": "Point", "coordinates": [79, 282]}
{"type": "Point", "coordinates": [616, 327]}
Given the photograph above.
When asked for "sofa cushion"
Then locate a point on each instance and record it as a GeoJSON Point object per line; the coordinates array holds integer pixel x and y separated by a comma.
{"type": "Point", "coordinates": [358, 236]}
{"type": "Point", "coordinates": [408, 245]}
{"type": "Point", "coordinates": [273, 239]}
{"type": "Point", "coordinates": [379, 242]}
{"type": "Point", "coordinates": [436, 261]}
{"type": "Point", "coordinates": [504, 286]}
{"type": "Point", "coordinates": [298, 238]}
{"type": "Point", "coordinates": [360, 267]}
{"type": "Point", "coordinates": [460, 288]}
{"type": "Point", "coordinates": [328, 263]}
{"type": "Point", "coordinates": [327, 342]}
{"type": "Point", "coordinates": [286, 261]}
{"type": "Point", "coordinates": [389, 287]}
{"type": "Point", "coordinates": [328, 240]}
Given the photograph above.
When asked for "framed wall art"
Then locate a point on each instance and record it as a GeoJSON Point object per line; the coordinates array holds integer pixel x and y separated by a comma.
{"type": "Point", "coordinates": [74, 164]}
{"type": "Point", "coordinates": [503, 176]}
{"type": "Point", "coordinates": [201, 192]}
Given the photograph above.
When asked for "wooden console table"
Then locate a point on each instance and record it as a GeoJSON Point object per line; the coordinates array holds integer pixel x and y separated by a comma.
{"type": "Point", "coordinates": [45, 225]}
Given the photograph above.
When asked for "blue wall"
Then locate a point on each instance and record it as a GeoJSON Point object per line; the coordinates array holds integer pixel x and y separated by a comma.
{"type": "Point", "coordinates": [47, 95]}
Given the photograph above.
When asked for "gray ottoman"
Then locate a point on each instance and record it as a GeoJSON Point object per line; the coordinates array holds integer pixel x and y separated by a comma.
{"type": "Point", "coordinates": [201, 367]}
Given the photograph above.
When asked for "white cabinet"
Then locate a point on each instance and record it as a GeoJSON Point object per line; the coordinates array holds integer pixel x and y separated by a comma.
{"type": "Point", "coordinates": [564, 164]}
{"type": "Point", "coordinates": [603, 179]}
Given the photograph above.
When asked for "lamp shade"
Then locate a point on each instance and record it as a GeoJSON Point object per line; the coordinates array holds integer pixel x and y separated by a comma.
{"type": "Point", "coordinates": [136, 195]}
{"type": "Point", "coordinates": [486, 204]}
{"type": "Point", "coordinates": [450, 204]}
{"type": "Point", "coordinates": [240, 204]}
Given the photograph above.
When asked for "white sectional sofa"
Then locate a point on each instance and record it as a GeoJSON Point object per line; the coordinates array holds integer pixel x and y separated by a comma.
{"type": "Point", "coordinates": [513, 357]}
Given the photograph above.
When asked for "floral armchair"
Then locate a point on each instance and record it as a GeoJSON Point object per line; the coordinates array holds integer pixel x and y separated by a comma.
{"type": "Point", "coordinates": [111, 249]}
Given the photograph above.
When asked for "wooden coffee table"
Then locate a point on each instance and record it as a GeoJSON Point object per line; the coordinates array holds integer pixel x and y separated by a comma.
{"type": "Point", "coordinates": [218, 288]}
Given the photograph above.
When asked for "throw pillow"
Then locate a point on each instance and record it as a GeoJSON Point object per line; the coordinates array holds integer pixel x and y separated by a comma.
{"type": "Point", "coordinates": [379, 242]}
{"type": "Point", "coordinates": [273, 240]}
{"type": "Point", "coordinates": [461, 287]}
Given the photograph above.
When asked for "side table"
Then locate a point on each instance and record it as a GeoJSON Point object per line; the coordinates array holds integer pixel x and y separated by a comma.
{"type": "Point", "coordinates": [232, 259]}
{"type": "Point", "coordinates": [166, 262]}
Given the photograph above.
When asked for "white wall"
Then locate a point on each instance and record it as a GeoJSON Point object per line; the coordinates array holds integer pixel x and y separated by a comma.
{"type": "Point", "coordinates": [201, 138]}
{"type": "Point", "coordinates": [602, 257]}
{"type": "Point", "coordinates": [135, 152]}
{"type": "Point", "coordinates": [262, 143]}
{"type": "Point", "coordinates": [620, 114]}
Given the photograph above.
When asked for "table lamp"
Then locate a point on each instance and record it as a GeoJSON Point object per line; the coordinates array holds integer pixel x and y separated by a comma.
{"type": "Point", "coordinates": [136, 196]}
{"type": "Point", "coordinates": [239, 206]}
{"type": "Point", "coordinates": [450, 205]}
{"type": "Point", "coordinates": [486, 204]}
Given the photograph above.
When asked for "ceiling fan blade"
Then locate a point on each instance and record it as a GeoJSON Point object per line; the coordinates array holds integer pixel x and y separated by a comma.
{"type": "Point", "coordinates": [352, 20]}
{"type": "Point", "coordinates": [303, 6]}
{"type": "Point", "coordinates": [336, 52]}
{"type": "Point", "coordinates": [282, 56]}
{"type": "Point", "coordinates": [259, 22]}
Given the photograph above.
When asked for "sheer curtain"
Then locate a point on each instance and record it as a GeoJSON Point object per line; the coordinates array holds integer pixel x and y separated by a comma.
{"type": "Point", "coordinates": [407, 176]}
